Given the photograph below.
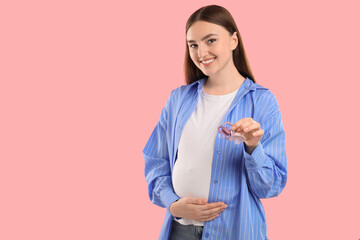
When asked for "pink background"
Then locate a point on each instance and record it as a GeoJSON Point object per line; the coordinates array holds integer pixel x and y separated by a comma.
{"type": "Point", "coordinates": [83, 84]}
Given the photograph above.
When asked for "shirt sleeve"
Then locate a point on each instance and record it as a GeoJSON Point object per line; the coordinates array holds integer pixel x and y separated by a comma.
{"type": "Point", "coordinates": [157, 162]}
{"type": "Point", "coordinates": [267, 165]}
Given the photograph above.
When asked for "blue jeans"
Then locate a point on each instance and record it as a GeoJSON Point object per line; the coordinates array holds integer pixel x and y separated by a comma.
{"type": "Point", "coordinates": [185, 232]}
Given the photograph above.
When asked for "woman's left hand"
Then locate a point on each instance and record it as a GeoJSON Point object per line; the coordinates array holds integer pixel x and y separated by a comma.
{"type": "Point", "coordinates": [251, 130]}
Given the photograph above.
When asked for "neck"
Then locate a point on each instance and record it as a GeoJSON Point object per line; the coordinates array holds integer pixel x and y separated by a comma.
{"type": "Point", "coordinates": [224, 82]}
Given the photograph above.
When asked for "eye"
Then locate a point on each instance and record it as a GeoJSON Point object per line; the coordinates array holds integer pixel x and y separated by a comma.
{"type": "Point", "coordinates": [212, 40]}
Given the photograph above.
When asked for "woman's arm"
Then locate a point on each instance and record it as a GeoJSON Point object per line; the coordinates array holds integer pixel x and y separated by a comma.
{"type": "Point", "coordinates": [266, 164]}
{"type": "Point", "coordinates": [157, 162]}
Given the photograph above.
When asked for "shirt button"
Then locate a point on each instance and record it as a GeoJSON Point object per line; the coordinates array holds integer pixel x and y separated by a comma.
{"type": "Point", "coordinates": [218, 152]}
{"type": "Point", "coordinates": [206, 235]}
{"type": "Point", "coordinates": [216, 181]}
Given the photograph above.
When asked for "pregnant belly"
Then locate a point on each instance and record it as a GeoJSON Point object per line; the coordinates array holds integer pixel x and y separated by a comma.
{"type": "Point", "coordinates": [191, 179]}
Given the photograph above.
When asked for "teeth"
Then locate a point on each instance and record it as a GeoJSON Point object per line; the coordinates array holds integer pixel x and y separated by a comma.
{"type": "Point", "coordinates": [208, 60]}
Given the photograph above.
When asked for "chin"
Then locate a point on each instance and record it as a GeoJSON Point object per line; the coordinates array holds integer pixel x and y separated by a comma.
{"type": "Point", "coordinates": [209, 73]}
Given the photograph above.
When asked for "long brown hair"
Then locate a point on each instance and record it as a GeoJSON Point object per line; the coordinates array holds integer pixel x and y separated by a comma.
{"type": "Point", "coordinates": [220, 16]}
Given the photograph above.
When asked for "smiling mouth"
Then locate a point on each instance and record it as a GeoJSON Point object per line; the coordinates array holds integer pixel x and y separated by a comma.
{"type": "Point", "coordinates": [208, 61]}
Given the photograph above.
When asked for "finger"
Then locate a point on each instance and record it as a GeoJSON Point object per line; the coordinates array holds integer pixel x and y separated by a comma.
{"type": "Point", "coordinates": [253, 126]}
{"type": "Point", "coordinates": [245, 126]}
{"type": "Point", "coordinates": [212, 216]}
{"type": "Point", "coordinates": [209, 206]}
{"type": "Point", "coordinates": [258, 133]}
{"type": "Point", "coordinates": [240, 122]}
{"type": "Point", "coordinates": [241, 127]}
{"type": "Point", "coordinates": [212, 212]}
{"type": "Point", "coordinates": [196, 201]}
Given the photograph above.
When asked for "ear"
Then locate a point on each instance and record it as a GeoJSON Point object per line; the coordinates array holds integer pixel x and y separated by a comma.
{"type": "Point", "coordinates": [234, 41]}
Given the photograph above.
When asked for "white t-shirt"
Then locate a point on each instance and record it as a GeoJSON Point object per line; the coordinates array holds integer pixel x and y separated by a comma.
{"type": "Point", "coordinates": [192, 170]}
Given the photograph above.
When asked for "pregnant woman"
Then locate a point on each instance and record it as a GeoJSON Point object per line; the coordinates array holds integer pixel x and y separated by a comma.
{"type": "Point", "coordinates": [219, 145]}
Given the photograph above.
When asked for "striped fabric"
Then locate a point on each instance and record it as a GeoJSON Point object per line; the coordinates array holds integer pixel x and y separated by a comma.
{"type": "Point", "coordinates": [238, 179]}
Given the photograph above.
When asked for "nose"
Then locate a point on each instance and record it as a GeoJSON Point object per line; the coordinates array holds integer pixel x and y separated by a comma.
{"type": "Point", "coordinates": [202, 51]}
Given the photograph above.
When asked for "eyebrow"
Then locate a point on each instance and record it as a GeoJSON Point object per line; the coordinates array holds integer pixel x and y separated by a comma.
{"type": "Point", "coordinates": [209, 35]}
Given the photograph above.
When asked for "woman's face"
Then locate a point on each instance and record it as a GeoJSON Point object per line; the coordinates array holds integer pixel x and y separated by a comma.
{"type": "Point", "coordinates": [210, 47]}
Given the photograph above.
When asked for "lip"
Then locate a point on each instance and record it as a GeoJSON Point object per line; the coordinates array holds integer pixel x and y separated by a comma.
{"type": "Point", "coordinates": [207, 64]}
{"type": "Point", "coordinates": [207, 59]}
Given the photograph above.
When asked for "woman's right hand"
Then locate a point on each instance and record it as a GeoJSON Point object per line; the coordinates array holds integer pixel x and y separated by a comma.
{"type": "Point", "coordinates": [196, 209]}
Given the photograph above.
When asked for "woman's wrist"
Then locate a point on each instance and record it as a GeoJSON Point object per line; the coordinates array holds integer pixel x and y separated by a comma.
{"type": "Point", "coordinates": [171, 207]}
{"type": "Point", "coordinates": [250, 149]}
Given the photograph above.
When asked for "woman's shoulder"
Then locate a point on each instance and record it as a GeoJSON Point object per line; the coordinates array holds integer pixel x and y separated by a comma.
{"type": "Point", "coordinates": [263, 94]}
{"type": "Point", "coordinates": [183, 90]}
{"type": "Point", "coordinates": [265, 103]}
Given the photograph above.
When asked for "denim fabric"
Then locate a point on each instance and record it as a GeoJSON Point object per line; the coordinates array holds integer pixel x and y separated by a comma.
{"type": "Point", "coordinates": [185, 232]}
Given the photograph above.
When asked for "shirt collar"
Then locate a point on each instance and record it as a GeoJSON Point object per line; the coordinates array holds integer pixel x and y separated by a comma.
{"type": "Point", "coordinates": [248, 84]}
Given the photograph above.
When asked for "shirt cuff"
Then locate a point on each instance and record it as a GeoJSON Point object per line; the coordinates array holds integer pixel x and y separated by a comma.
{"type": "Point", "coordinates": [256, 159]}
{"type": "Point", "coordinates": [168, 196]}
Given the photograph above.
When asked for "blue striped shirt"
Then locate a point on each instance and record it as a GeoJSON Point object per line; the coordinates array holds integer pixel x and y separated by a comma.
{"type": "Point", "coordinates": [238, 179]}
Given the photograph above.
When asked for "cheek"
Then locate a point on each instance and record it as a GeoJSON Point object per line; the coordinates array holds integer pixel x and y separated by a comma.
{"type": "Point", "coordinates": [193, 56]}
{"type": "Point", "coordinates": [223, 49]}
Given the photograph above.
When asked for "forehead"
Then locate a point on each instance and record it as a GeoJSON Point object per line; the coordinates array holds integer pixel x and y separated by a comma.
{"type": "Point", "coordinates": [200, 29]}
